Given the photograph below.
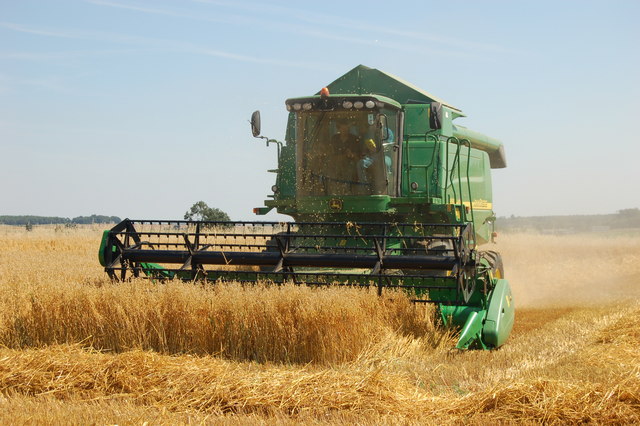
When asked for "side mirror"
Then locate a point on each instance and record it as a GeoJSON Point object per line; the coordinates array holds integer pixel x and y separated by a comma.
{"type": "Point", "coordinates": [255, 124]}
{"type": "Point", "coordinates": [435, 116]}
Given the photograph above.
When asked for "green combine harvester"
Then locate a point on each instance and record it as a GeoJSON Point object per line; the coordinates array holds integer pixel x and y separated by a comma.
{"type": "Point", "coordinates": [385, 192]}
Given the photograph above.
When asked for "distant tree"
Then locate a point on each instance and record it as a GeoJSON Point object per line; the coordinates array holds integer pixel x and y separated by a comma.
{"type": "Point", "coordinates": [28, 226]}
{"type": "Point", "coordinates": [95, 218]}
{"type": "Point", "coordinates": [629, 212]}
{"type": "Point", "coordinates": [201, 211]}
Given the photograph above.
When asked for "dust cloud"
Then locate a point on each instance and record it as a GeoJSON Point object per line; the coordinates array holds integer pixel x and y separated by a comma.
{"type": "Point", "coordinates": [570, 270]}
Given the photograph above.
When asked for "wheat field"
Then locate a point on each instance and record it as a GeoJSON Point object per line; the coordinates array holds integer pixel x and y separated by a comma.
{"type": "Point", "coordinates": [78, 349]}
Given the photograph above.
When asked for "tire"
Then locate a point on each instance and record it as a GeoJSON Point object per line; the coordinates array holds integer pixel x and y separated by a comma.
{"type": "Point", "coordinates": [495, 262]}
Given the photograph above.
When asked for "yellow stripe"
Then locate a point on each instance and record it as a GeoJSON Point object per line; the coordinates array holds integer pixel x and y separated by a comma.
{"type": "Point", "coordinates": [478, 204]}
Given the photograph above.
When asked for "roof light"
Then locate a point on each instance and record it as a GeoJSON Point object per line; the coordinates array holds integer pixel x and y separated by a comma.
{"type": "Point", "coordinates": [297, 106]}
{"type": "Point", "coordinates": [370, 104]}
{"type": "Point", "coordinates": [358, 104]}
{"type": "Point", "coordinates": [347, 104]}
{"type": "Point", "coordinates": [324, 92]}
{"type": "Point", "coordinates": [306, 106]}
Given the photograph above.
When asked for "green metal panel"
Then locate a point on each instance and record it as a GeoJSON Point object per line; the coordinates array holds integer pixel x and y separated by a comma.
{"type": "Point", "coordinates": [448, 115]}
{"type": "Point", "coordinates": [471, 331]}
{"type": "Point", "coordinates": [364, 80]}
{"type": "Point", "coordinates": [500, 315]}
{"type": "Point", "coordinates": [416, 120]}
{"type": "Point", "coordinates": [421, 166]}
{"type": "Point", "coordinates": [104, 245]}
{"type": "Point", "coordinates": [344, 204]}
{"type": "Point", "coordinates": [490, 145]}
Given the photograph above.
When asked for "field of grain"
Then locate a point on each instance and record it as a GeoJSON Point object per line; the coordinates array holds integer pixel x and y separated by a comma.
{"type": "Point", "coordinates": [78, 349]}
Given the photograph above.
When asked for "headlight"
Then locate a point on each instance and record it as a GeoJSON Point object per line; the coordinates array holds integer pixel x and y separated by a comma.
{"type": "Point", "coordinates": [347, 104]}
{"type": "Point", "coordinates": [297, 107]}
{"type": "Point", "coordinates": [370, 104]}
{"type": "Point", "coordinates": [358, 104]}
{"type": "Point", "coordinates": [306, 106]}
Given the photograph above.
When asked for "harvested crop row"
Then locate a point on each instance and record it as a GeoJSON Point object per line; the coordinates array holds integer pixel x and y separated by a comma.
{"type": "Point", "coordinates": [598, 383]}
{"type": "Point", "coordinates": [371, 386]}
{"type": "Point", "coordinates": [205, 384]}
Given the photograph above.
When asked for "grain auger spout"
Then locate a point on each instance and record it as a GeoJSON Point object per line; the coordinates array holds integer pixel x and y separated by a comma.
{"type": "Point", "coordinates": [385, 193]}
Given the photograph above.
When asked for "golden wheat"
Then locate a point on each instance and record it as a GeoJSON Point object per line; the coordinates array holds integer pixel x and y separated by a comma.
{"type": "Point", "coordinates": [280, 324]}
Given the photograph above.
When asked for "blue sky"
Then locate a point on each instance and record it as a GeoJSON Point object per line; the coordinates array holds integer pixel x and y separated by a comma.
{"type": "Point", "coordinates": [140, 108]}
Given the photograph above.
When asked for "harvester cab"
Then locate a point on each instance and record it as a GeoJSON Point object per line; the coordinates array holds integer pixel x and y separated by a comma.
{"type": "Point", "coordinates": [385, 191]}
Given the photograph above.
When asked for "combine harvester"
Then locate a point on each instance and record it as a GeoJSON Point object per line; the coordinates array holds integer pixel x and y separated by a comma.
{"type": "Point", "coordinates": [386, 192]}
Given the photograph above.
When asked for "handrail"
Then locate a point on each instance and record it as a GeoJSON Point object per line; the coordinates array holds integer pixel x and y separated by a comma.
{"type": "Point", "coordinates": [454, 140]}
{"type": "Point", "coordinates": [468, 143]}
{"type": "Point", "coordinates": [456, 167]}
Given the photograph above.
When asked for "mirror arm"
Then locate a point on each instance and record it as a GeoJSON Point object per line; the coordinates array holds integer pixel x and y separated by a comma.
{"type": "Point", "coordinates": [270, 141]}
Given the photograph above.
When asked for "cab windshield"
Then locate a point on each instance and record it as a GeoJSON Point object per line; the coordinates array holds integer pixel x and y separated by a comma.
{"type": "Point", "coordinates": [345, 152]}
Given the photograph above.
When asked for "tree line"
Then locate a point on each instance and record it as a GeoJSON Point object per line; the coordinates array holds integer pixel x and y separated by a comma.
{"type": "Point", "coordinates": [56, 220]}
{"type": "Point", "coordinates": [623, 219]}
{"type": "Point", "coordinates": [198, 211]}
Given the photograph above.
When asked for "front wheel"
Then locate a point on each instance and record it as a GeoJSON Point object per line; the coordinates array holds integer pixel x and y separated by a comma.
{"type": "Point", "coordinates": [494, 259]}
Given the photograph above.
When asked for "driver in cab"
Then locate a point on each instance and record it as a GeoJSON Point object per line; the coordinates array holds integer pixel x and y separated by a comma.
{"type": "Point", "coordinates": [358, 150]}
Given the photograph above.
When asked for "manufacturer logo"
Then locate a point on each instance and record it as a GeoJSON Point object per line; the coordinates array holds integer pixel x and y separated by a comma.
{"type": "Point", "coordinates": [335, 204]}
